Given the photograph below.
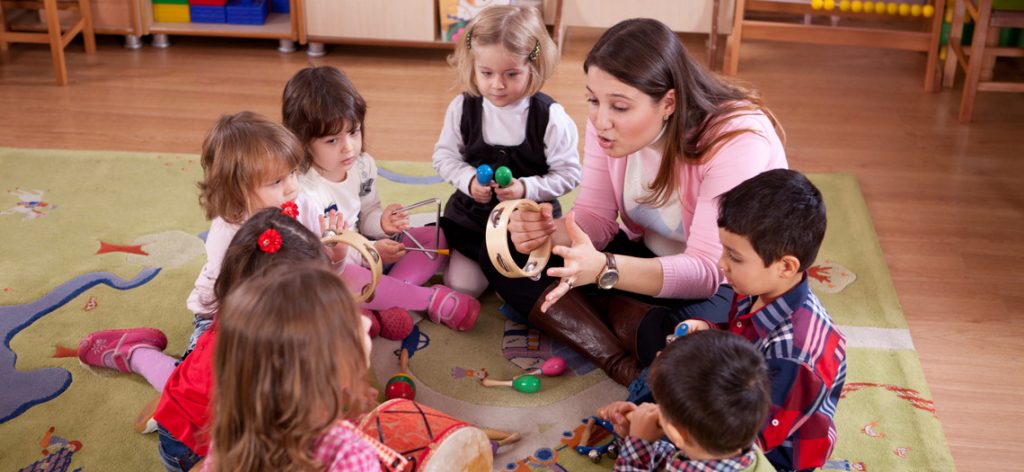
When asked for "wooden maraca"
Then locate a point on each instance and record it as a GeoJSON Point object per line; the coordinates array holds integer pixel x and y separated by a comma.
{"type": "Point", "coordinates": [525, 383]}
{"type": "Point", "coordinates": [552, 367]}
{"type": "Point", "coordinates": [401, 384]}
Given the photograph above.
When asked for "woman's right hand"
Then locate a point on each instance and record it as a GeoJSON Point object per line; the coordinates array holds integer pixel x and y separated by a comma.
{"type": "Point", "coordinates": [531, 229]}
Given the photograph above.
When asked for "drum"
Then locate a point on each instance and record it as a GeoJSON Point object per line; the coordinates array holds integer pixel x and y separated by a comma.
{"type": "Point", "coordinates": [430, 440]}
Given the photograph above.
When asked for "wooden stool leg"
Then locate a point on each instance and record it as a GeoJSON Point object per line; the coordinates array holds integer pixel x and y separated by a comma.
{"type": "Point", "coordinates": [88, 35]}
{"type": "Point", "coordinates": [713, 39]}
{"type": "Point", "coordinates": [975, 61]}
{"type": "Point", "coordinates": [732, 46]}
{"type": "Point", "coordinates": [989, 65]}
{"type": "Point", "coordinates": [60, 68]}
{"type": "Point", "coordinates": [3, 29]}
{"type": "Point", "coordinates": [933, 74]}
{"type": "Point", "coordinates": [956, 33]}
{"type": "Point", "coordinates": [558, 29]}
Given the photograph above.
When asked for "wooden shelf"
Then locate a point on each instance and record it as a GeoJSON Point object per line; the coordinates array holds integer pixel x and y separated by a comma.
{"type": "Point", "coordinates": [278, 26]}
{"type": "Point", "coordinates": [435, 44]}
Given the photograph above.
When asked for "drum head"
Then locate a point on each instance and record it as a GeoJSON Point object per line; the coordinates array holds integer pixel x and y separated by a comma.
{"type": "Point", "coordinates": [466, 449]}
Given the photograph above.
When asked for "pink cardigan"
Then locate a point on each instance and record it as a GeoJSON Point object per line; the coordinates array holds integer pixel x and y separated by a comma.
{"type": "Point", "coordinates": [694, 273]}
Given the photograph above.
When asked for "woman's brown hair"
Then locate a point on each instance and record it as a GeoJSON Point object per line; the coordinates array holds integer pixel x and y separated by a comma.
{"type": "Point", "coordinates": [239, 153]}
{"type": "Point", "coordinates": [289, 362]}
{"type": "Point", "coordinates": [647, 55]}
{"type": "Point", "coordinates": [520, 30]}
{"type": "Point", "coordinates": [318, 102]}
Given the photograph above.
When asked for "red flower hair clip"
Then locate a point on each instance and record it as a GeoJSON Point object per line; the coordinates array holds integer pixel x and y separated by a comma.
{"type": "Point", "coordinates": [270, 241]}
{"type": "Point", "coordinates": [290, 209]}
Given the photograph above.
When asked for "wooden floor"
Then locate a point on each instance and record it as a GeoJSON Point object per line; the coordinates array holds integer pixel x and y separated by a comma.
{"type": "Point", "coordinates": [946, 199]}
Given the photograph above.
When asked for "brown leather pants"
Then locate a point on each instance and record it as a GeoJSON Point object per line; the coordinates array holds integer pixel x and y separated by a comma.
{"type": "Point", "coordinates": [602, 328]}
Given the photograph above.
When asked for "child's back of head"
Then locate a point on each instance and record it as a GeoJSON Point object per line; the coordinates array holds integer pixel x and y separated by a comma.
{"type": "Point", "coordinates": [242, 153]}
{"type": "Point", "coordinates": [780, 213]}
{"type": "Point", "coordinates": [290, 361]}
{"type": "Point", "coordinates": [714, 386]}
{"type": "Point", "coordinates": [519, 30]}
{"type": "Point", "coordinates": [269, 238]}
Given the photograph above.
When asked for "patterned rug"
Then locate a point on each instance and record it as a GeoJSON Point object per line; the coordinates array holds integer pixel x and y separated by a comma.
{"type": "Point", "coordinates": [99, 240]}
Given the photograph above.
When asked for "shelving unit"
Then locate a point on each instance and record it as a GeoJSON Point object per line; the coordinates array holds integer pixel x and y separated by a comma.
{"type": "Point", "coordinates": [402, 23]}
{"type": "Point", "coordinates": [285, 27]}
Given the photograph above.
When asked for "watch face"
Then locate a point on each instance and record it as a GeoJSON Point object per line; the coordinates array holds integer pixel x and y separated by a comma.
{"type": "Point", "coordinates": [608, 279]}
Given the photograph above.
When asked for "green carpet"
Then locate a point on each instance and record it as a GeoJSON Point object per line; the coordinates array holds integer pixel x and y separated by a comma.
{"type": "Point", "coordinates": [76, 225]}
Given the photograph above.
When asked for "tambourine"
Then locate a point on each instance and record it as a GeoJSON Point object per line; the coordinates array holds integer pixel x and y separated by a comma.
{"type": "Point", "coordinates": [366, 249]}
{"type": "Point", "coordinates": [497, 242]}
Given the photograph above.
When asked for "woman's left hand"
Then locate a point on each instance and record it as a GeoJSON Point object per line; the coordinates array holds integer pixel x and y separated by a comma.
{"type": "Point", "coordinates": [582, 263]}
{"type": "Point", "coordinates": [394, 221]}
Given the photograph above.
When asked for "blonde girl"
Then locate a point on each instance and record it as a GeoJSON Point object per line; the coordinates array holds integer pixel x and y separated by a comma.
{"type": "Point", "coordinates": [501, 119]}
{"type": "Point", "coordinates": [290, 365]}
{"type": "Point", "coordinates": [249, 163]}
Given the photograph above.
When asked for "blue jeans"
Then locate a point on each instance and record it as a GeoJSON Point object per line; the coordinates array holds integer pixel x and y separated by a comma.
{"type": "Point", "coordinates": [200, 325]}
{"type": "Point", "coordinates": [175, 456]}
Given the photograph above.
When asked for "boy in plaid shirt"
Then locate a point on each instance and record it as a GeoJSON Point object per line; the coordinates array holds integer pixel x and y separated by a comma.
{"type": "Point", "coordinates": [771, 227]}
{"type": "Point", "coordinates": [713, 396]}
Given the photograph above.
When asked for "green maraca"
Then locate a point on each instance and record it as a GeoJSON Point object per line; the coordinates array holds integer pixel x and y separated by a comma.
{"type": "Point", "coordinates": [524, 383]}
{"type": "Point", "coordinates": [503, 176]}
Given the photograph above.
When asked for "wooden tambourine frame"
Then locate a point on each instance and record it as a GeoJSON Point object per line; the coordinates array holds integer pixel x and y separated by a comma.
{"type": "Point", "coordinates": [497, 242]}
{"type": "Point", "coordinates": [369, 253]}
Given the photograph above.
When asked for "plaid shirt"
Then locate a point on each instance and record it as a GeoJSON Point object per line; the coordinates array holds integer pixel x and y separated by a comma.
{"type": "Point", "coordinates": [638, 455]}
{"type": "Point", "coordinates": [342, 449]}
{"type": "Point", "coordinates": [806, 358]}
{"type": "Point", "coordinates": [339, 449]}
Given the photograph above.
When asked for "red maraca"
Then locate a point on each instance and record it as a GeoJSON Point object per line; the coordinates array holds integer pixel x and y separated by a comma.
{"type": "Point", "coordinates": [553, 367]}
{"type": "Point", "coordinates": [401, 384]}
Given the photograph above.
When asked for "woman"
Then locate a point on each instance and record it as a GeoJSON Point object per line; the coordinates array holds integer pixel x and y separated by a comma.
{"type": "Point", "coordinates": [664, 138]}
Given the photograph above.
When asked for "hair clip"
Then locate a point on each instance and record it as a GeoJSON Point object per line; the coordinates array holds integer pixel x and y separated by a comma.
{"type": "Point", "coordinates": [290, 209]}
{"type": "Point", "coordinates": [535, 53]}
{"type": "Point", "coordinates": [270, 241]}
{"type": "Point", "coordinates": [469, 39]}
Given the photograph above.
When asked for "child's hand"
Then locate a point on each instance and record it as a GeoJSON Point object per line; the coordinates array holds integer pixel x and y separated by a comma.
{"type": "Point", "coordinates": [334, 221]}
{"type": "Point", "coordinates": [617, 413]}
{"type": "Point", "coordinates": [394, 221]}
{"type": "Point", "coordinates": [512, 191]}
{"type": "Point", "coordinates": [480, 193]}
{"type": "Point", "coordinates": [645, 423]}
{"type": "Point", "coordinates": [696, 325]}
{"type": "Point", "coordinates": [390, 250]}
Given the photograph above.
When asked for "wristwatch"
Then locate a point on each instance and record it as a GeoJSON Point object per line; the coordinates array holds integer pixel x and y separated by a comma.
{"type": "Point", "coordinates": [610, 275]}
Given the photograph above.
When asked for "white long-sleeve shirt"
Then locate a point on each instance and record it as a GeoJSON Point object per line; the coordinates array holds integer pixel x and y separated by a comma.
{"type": "Point", "coordinates": [506, 126]}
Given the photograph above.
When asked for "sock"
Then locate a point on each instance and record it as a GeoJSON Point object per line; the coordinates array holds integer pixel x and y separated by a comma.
{"type": "Point", "coordinates": [153, 365]}
{"type": "Point", "coordinates": [391, 292]}
{"type": "Point", "coordinates": [464, 275]}
{"type": "Point", "coordinates": [416, 267]}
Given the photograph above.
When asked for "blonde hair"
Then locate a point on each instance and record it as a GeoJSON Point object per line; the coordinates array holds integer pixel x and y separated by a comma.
{"type": "Point", "coordinates": [289, 362]}
{"type": "Point", "coordinates": [520, 30]}
{"type": "Point", "coordinates": [239, 152]}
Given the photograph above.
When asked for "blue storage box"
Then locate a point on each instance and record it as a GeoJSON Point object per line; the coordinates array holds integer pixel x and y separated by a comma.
{"type": "Point", "coordinates": [207, 14]}
{"type": "Point", "coordinates": [280, 6]}
{"type": "Point", "coordinates": [248, 12]}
